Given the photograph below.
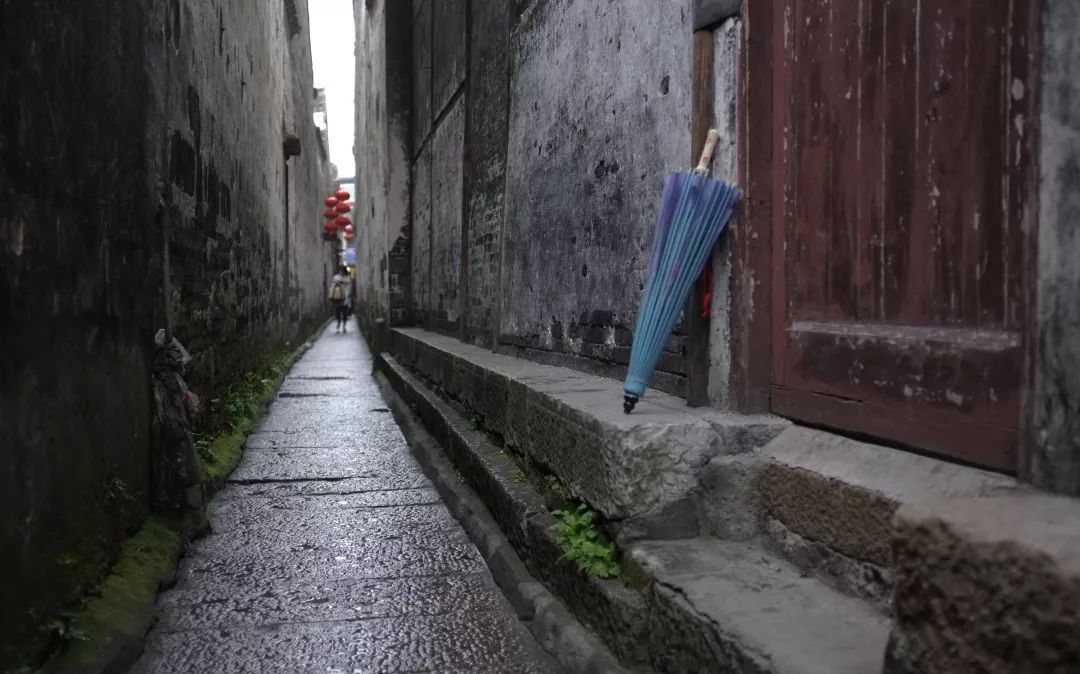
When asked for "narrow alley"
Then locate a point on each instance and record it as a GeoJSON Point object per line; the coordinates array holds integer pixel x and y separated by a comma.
{"type": "Point", "coordinates": [684, 336]}
{"type": "Point", "coordinates": [331, 552]}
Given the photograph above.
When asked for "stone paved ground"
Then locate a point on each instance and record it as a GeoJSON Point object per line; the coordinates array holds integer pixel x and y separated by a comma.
{"type": "Point", "coordinates": [331, 552]}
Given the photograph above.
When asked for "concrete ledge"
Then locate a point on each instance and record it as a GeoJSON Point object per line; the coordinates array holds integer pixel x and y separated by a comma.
{"type": "Point", "coordinates": [987, 584]}
{"type": "Point", "coordinates": [752, 612]}
{"type": "Point", "coordinates": [572, 424]}
{"type": "Point", "coordinates": [829, 501]}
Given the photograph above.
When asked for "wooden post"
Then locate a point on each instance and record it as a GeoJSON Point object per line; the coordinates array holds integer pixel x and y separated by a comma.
{"type": "Point", "coordinates": [701, 120]}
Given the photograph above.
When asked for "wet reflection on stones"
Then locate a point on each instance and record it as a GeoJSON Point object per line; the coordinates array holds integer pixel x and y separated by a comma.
{"type": "Point", "coordinates": [330, 551]}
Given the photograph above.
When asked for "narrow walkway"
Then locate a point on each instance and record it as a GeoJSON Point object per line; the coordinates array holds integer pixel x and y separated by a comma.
{"type": "Point", "coordinates": [331, 552]}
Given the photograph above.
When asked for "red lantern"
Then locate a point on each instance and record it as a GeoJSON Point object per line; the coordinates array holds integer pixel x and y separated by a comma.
{"type": "Point", "coordinates": [342, 221]}
{"type": "Point", "coordinates": [330, 227]}
{"type": "Point", "coordinates": [330, 202]}
{"type": "Point", "coordinates": [330, 213]}
{"type": "Point", "coordinates": [349, 237]}
{"type": "Point", "coordinates": [348, 230]}
{"type": "Point", "coordinates": [342, 195]}
{"type": "Point", "coordinates": [343, 208]}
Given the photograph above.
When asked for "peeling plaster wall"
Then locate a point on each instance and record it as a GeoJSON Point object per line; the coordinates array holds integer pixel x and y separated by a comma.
{"type": "Point", "coordinates": [1053, 456]}
{"type": "Point", "coordinates": [541, 132]}
{"type": "Point", "coordinates": [599, 113]}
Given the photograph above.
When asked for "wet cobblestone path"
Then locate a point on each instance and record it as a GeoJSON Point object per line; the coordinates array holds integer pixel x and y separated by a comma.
{"type": "Point", "coordinates": [331, 552]}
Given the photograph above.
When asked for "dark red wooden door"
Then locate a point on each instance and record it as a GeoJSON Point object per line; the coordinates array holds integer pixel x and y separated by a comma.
{"type": "Point", "coordinates": [902, 206]}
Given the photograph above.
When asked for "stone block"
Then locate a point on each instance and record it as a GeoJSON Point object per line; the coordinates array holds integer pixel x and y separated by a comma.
{"type": "Point", "coordinates": [641, 466]}
{"type": "Point", "coordinates": [727, 504]}
{"type": "Point", "coordinates": [987, 584]}
{"type": "Point", "coordinates": [843, 493]}
{"type": "Point", "coordinates": [740, 609]}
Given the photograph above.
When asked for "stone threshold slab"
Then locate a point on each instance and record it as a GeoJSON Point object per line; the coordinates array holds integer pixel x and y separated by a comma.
{"type": "Point", "coordinates": [572, 424]}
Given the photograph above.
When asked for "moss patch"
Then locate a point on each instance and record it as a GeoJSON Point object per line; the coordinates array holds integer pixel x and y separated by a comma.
{"type": "Point", "coordinates": [221, 429]}
{"type": "Point", "coordinates": [117, 612]}
{"type": "Point", "coordinates": [112, 619]}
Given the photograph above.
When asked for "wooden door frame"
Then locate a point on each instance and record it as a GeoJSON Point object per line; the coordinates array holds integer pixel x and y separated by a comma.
{"type": "Point", "coordinates": [755, 277]}
{"type": "Point", "coordinates": [752, 275]}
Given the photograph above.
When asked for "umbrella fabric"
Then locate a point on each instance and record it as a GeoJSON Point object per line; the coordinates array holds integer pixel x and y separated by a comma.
{"type": "Point", "coordinates": [694, 210]}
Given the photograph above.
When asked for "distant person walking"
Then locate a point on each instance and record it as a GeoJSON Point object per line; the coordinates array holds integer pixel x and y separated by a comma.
{"type": "Point", "coordinates": [339, 294]}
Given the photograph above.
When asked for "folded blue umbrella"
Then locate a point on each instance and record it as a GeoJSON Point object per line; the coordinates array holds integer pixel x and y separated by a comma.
{"type": "Point", "coordinates": [694, 210]}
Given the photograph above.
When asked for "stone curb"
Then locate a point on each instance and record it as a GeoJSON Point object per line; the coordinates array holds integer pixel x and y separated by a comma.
{"type": "Point", "coordinates": [575, 648]}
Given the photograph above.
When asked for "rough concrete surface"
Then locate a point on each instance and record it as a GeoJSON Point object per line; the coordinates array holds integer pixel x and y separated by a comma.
{"type": "Point", "coordinates": [766, 616]}
{"type": "Point", "coordinates": [1052, 460]}
{"type": "Point", "coordinates": [590, 141]}
{"type": "Point", "coordinates": [989, 585]}
{"type": "Point", "coordinates": [843, 493]}
{"type": "Point", "coordinates": [625, 466]}
{"type": "Point", "coordinates": [330, 551]}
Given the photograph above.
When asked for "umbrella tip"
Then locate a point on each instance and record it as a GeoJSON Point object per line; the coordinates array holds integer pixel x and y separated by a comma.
{"type": "Point", "coordinates": [628, 404]}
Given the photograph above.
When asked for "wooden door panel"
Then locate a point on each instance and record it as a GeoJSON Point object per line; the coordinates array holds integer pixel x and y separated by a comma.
{"type": "Point", "coordinates": [943, 390]}
{"type": "Point", "coordinates": [904, 170]}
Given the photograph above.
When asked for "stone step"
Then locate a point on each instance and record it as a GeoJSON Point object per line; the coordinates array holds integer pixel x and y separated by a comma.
{"type": "Point", "coordinates": [639, 470]}
{"type": "Point", "coordinates": [756, 611]}
{"type": "Point", "coordinates": [827, 503]}
{"type": "Point", "coordinates": [988, 584]}
{"type": "Point", "coordinates": [694, 605]}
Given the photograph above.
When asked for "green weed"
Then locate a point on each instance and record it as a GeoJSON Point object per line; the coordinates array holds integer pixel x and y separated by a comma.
{"type": "Point", "coordinates": [585, 544]}
{"type": "Point", "coordinates": [220, 430]}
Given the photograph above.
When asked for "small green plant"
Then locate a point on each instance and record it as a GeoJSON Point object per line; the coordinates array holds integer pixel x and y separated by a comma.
{"type": "Point", "coordinates": [473, 424]}
{"type": "Point", "coordinates": [519, 476]}
{"type": "Point", "coordinates": [584, 544]}
{"type": "Point", "coordinates": [221, 429]}
{"type": "Point", "coordinates": [63, 629]}
{"type": "Point", "coordinates": [559, 491]}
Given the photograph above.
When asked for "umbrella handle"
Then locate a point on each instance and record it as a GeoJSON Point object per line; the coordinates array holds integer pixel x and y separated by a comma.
{"type": "Point", "coordinates": [707, 153]}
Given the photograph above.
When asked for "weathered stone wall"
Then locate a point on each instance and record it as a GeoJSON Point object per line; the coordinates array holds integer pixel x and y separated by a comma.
{"type": "Point", "coordinates": [1053, 439]}
{"type": "Point", "coordinates": [77, 300]}
{"type": "Point", "coordinates": [383, 145]}
{"type": "Point", "coordinates": [536, 162]}
{"type": "Point", "coordinates": [234, 81]}
{"type": "Point", "coordinates": [591, 139]}
{"type": "Point", "coordinates": [123, 125]}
